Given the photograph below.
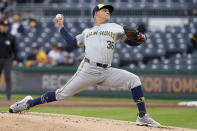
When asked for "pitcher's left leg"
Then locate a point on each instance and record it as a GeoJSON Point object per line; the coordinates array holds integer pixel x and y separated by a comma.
{"type": "Point", "coordinates": [120, 78]}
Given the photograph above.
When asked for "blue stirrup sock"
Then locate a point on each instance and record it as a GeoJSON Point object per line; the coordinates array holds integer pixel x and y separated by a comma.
{"type": "Point", "coordinates": [138, 97]}
{"type": "Point", "coordinates": [49, 96]}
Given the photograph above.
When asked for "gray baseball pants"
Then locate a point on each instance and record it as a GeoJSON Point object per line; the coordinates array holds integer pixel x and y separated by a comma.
{"type": "Point", "coordinates": [89, 75]}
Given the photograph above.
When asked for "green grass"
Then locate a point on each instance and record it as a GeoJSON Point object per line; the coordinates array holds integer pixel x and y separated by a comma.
{"type": "Point", "coordinates": [17, 96]}
{"type": "Point", "coordinates": [179, 117]}
{"type": "Point", "coordinates": [105, 99]}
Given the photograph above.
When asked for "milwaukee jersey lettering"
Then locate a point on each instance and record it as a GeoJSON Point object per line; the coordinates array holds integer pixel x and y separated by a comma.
{"type": "Point", "coordinates": [99, 42]}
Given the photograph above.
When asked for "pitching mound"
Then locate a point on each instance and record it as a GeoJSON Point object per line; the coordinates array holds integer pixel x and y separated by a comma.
{"type": "Point", "coordinates": [55, 122]}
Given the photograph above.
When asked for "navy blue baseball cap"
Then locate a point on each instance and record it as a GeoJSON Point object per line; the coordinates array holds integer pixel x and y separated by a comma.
{"type": "Point", "coordinates": [101, 6]}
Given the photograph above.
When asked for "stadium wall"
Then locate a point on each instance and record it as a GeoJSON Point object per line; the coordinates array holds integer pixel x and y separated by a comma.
{"type": "Point", "coordinates": [164, 84]}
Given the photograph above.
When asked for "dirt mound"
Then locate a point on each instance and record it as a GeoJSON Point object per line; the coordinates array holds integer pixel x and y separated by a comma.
{"type": "Point", "coordinates": [52, 122]}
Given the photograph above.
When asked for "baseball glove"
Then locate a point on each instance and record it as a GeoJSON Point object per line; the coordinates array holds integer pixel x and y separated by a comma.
{"type": "Point", "coordinates": [134, 35]}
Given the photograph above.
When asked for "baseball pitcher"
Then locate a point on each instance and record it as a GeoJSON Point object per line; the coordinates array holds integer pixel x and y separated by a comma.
{"type": "Point", "coordinates": [95, 68]}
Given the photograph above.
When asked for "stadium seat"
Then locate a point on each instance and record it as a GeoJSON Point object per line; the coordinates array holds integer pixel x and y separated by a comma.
{"type": "Point", "coordinates": [159, 51]}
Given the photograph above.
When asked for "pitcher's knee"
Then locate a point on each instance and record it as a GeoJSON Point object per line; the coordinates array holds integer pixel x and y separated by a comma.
{"type": "Point", "coordinates": [135, 81]}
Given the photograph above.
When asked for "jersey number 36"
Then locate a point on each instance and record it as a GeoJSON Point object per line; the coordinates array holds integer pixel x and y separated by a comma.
{"type": "Point", "coordinates": [110, 45]}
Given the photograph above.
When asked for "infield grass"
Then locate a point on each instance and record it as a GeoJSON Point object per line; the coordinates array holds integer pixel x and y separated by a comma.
{"type": "Point", "coordinates": [179, 117]}
{"type": "Point", "coordinates": [105, 99]}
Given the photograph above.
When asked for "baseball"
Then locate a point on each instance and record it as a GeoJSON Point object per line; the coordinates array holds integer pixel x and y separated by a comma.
{"type": "Point", "coordinates": [58, 16]}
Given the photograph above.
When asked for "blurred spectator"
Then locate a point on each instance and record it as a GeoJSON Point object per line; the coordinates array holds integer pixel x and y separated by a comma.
{"type": "Point", "coordinates": [29, 20]}
{"type": "Point", "coordinates": [54, 54]}
{"type": "Point", "coordinates": [4, 17]}
{"type": "Point", "coordinates": [193, 44]}
{"type": "Point", "coordinates": [194, 40]}
{"type": "Point", "coordinates": [64, 58]}
{"type": "Point", "coordinates": [40, 57]}
{"type": "Point", "coordinates": [30, 61]}
{"type": "Point", "coordinates": [17, 27]}
{"type": "Point", "coordinates": [79, 59]}
{"type": "Point", "coordinates": [3, 5]}
{"type": "Point", "coordinates": [8, 54]}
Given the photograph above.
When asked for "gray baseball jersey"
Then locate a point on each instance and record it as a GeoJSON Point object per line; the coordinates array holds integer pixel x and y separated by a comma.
{"type": "Point", "coordinates": [99, 42]}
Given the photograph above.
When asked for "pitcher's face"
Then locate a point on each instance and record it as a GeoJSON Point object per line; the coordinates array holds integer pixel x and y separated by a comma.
{"type": "Point", "coordinates": [104, 14]}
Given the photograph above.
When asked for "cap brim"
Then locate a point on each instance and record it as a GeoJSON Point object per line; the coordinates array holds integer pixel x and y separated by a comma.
{"type": "Point", "coordinates": [109, 7]}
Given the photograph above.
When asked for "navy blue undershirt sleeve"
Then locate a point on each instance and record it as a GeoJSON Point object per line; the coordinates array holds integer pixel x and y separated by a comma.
{"type": "Point", "coordinates": [68, 38]}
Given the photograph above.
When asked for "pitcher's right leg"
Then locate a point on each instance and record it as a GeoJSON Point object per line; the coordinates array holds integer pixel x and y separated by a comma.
{"type": "Point", "coordinates": [78, 83]}
{"type": "Point", "coordinates": [80, 80]}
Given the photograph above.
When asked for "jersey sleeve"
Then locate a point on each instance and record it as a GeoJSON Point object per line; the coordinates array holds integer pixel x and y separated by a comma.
{"type": "Point", "coordinates": [120, 32]}
{"type": "Point", "coordinates": [81, 38]}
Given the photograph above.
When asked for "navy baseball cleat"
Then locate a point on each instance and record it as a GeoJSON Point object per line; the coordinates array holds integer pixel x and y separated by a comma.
{"type": "Point", "coordinates": [144, 119]}
{"type": "Point", "coordinates": [20, 105]}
